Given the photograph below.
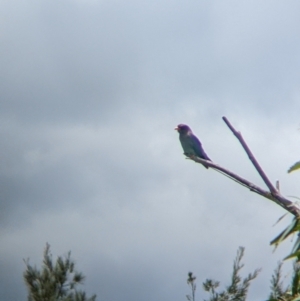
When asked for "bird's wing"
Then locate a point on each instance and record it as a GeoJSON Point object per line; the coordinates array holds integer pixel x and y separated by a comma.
{"type": "Point", "coordinates": [197, 146]}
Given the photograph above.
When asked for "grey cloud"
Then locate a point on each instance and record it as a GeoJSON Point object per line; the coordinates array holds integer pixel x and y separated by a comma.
{"type": "Point", "coordinates": [90, 94]}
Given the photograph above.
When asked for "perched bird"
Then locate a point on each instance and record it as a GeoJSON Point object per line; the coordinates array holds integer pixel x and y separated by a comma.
{"type": "Point", "coordinates": [190, 143]}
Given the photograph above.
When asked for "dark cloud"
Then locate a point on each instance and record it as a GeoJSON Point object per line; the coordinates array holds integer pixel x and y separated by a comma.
{"type": "Point", "coordinates": [90, 94]}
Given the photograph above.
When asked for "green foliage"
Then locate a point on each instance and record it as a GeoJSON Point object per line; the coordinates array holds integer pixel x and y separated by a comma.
{"type": "Point", "coordinates": [191, 281]}
{"type": "Point", "coordinates": [292, 229]}
{"type": "Point", "coordinates": [291, 293]}
{"type": "Point", "coordinates": [54, 281]}
{"type": "Point", "coordinates": [238, 288]}
{"type": "Point", "coordinates": [277, 290]}
{"type": "Point", "coordinates": [294, 167]}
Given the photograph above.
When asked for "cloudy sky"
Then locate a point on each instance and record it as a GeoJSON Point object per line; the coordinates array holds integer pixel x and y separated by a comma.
{"type": "Point", "coordinates": [90, 94]}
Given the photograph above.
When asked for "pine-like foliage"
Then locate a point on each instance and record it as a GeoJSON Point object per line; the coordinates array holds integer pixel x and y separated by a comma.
{"type": "Point", "coordinates": [54, 281]}
{"type": "Point", "coordinates": [238, 289]}
{"type": "Point", "coordinates": [277, 290]}
{"type": "Point", "coordinates": [191, 281]}
{"type": "Point", "coordinates": [290, 293]}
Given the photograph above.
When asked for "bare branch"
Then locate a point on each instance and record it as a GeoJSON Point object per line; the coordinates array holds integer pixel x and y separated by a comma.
{"type": "Point", "coordinates": [271, 194]}
{"type": "Point", "coordinates": [235, 177]}
{"type": "Point", "coordinates": [239, 136]}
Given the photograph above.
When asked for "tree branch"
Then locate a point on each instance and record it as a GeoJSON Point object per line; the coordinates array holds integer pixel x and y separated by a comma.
{"type": "Point", "coordinates": [273, 194]}
{"type": "Point", "coordinates": [239, 136]}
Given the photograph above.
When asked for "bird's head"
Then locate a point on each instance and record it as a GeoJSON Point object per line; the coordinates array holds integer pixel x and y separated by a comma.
{"type": "Point", "coordinates": [182, 129]}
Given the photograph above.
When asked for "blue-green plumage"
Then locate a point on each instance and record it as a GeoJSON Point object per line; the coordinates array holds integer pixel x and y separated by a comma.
{"type": "Point", "coordinates": [190, 143]}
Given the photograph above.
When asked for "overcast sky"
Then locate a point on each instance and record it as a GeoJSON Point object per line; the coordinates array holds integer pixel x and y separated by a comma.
{"type": "Point", "coordinates": [90, 94]}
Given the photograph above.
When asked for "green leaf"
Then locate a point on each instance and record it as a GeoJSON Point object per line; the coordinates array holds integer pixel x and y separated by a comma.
{"type": "Point", "coordinates": [284, 234]}
{"type": "Point", "coordinates": [296, 246]}
{"type": "Point", "coordinates": [294, 167]}
{"type": "Point", "coordinates": [293, 255]}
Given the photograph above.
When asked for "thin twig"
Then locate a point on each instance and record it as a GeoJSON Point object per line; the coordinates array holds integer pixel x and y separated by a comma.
{"type": "Point", "coordinates": [236, 178]}
{"type": "Point", "coordinates": [239, 136]}
{"type": "Point", "coordinates": [273, 194]}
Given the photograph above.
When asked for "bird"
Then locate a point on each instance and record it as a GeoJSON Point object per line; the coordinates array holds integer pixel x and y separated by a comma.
{"type": "Point", "coordinates": [190, 143]}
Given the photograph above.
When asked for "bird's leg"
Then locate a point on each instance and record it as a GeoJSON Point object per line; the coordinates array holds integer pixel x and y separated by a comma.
{"type": "Point", "coordinates": [194, 157]}
{"type": "Point", "coordinates": [189, 156]}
